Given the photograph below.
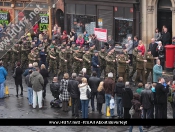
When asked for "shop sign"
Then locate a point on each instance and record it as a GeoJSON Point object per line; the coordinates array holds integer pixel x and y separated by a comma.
{"type": "Point", "coordinates": [100, 22]}
{"type": "Point", "coordinates": [3, 17]}
{"type": "Point", "coordinates": [101, 34]}
{"type": "Point", "coordinates": [44, 22]}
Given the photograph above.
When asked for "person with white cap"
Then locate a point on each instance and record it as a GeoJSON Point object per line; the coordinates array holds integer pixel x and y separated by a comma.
{"type": "Point", "coordinates": [109, 85]}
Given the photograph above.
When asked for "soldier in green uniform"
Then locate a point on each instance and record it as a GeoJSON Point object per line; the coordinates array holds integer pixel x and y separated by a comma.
{"type": "Point", "coordinates": [77, 61]}
{"type": "Point", "coordinates": [149, 65]}
{"type": "Point", "coordinates": [91, 49]}
{"type": "Point", "coordinates": [58, 50]}
{"type": "Point", "coordinates": [102, 55]}
{"type": "Point", "coordinates": [47, 51]}
{"type": "Point", "coordinates": [73, 47]}
{"type": "Point", "coordinates": [24, 53]}
{"type": "Point", "coordinates": [15, 55]}
{"type": "Point", "coordinates": [52, 61]}
{"type": "Point", "coordinates": [134, 56]}
{"type": "Point", "coordinates": [63, 43]}
{"type": "Point", "coordinates": [45, 43]}
{"type": "Point", "coordinates": [122, 66]}
{"type": "Point", "coordinates": [63, 62]}
{"type": "Point", "coordinates": [36, 52]}
{"type": "Point", "coordinates": [87, 61]}
{"type": "Point", "coordinates": [53, 43]}
{"type": "Point", "coordinates": [32, 57]}
{"type": "Point", "coordinates": [69, 59]}
{"type": "Point", "coordinates": [40, 47]}
{"type": "Point", "coordinates": [127, 65]}
{"type": "Point", "coordinates": [140, 68]}
{"type": "Point", "coordinates": [114, 58]}
{"type": "Point", "coordinates": [110, 63]}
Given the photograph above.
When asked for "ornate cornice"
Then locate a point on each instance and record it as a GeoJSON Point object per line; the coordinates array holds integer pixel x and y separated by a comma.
{"type": "Point", "coordinates": [150, 9]}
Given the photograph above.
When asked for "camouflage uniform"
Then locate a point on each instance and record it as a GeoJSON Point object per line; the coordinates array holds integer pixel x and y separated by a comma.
{"type": "Point", "coordinates": [7, 56]}
{"type": "Point", "coordinates": [63, 64]}
{"type": "Point", "coordinates": [77, 63]}
{"type": "Point", "coordinates": [24, 52]}
{"type": "Point", "coordinates": [69, 60]}
{"type": "Point", "coordinates": [134, 56]}
{"type": "Point", "coordinates": [149, 66]}
{"type": "Point", "coordinates": [52, 62]}
{"type": "Point", "coordinates": [102, 55]}
{"type": "Point", "coordinates": [48, 56]}
{"type": "Point", "coordinates": [58, 50]}
{"type": "Point", "coordinates": [82, 52]}
{"type": "Point", "coordinates": [32, 58]}
{"type": "Point", "coordinates": [87, 63]}
{"type": "Point", "coordinates": [15, 56]}
{"type": "Point", "coordinates": [127, 66]}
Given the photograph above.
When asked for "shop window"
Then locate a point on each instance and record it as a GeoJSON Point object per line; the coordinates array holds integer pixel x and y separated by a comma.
{"type": "Point", "coordinates": [123, 29]}
{"type": "Point", "coordinates": [80, 9]}
{"type": "Point", "coordinates": [70, 8]}
{"type": "Point", "coordinates": [91, 10]}
{"type": "Point", "coordinates": [81, 23]}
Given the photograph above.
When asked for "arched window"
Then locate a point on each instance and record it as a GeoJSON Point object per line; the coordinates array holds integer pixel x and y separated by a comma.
{"type": "Point", "coordinates": [164, 4]}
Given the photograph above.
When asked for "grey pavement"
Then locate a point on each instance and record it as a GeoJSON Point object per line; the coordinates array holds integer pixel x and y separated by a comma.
{"type": "Point", "coordinates": [12, 107]}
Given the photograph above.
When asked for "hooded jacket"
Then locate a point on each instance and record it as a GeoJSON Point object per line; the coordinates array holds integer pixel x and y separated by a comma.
{"type": "Point", "coordinates": [37, 81]}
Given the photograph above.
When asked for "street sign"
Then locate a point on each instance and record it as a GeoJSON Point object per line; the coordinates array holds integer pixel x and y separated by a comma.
{"type": "Point", "coordinates": [44, 22]}
{"type": "Point", "coordinates": [101, 34]}
{"type": "Point", "coordinates": [100, 22]}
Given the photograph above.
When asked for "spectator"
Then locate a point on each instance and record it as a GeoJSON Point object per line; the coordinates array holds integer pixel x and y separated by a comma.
{"type": "Point", "coordinates": [110, 41]}
{"type": "Point", "coordinates": [80, 40]}
{"type": "Point", "coordinates": [84, 74]}
{"type": "Point", "coordinates": [26, 72]}
{"type": "Point", "coordinates": [140, 88]}
{"type": "Point", "coordinates": [141, 47]}
{"type": "Point", "coordinates": [75, 95]}
{"type": "Point", "coordinates": [161, 54]}
{"type": "Point", "coordinates": [93, 82]}
{"type": "Point", "coordinates": [79, 77]}
{"type": "Point", "coordinates": [64, 37]}
{"type": "Point", "coordinates": [37, 82]}
{"type": "Point", "coordinates": [127, 96]}
{"type": "Point", "coordinates": [42, 57]}
{"type": "Point", "coordinates": [161, 96]}
{"type": "Point", "coordinates": [154, 108]}
{"type": "Point", "coordinates": [118, 90]}
{"type": "Point", "coordinates": [100, 97]}
{"type": "Point", "coordinates": [64, 92]}
{"type": "Point", "coordinates": [157, 35]}
{"type": "Point", "coordinates": [29, 87]}
{"type": "Point", "coordinates": [45, 75]}
{"type": "Point", "coordinates": [35, 28]}
{"type": "Point", "coordinates": [172, 94]}
{"type": "Point", "coordinates": [153, 47]}
{"type": "Point", "coordinates": [136, 42]}
{"type": "Point", "coordinates": [109, 86]}
{"type": "Point", "coordinates": [157, 71]}
{"type": "Point", "coordinates": [173, 40]}
{"type": "Point", "coordinates": [146, 100]}
{"type": "Point", "coordinates": [55, 86]}
{"type": "Point", "coordinates": [96, 63]}
{"type": "Point", "coordinates": [18, 79]}
{"type": "Point", "coordinates": [129, 48]}
{"type": "Point", "coordinates": [83, 97]}
{"type": "Point", "coordinates": [95, 42]}
{"type": "Point", "coordinates": [3, 74]}
{"type": "Point", "coordinates": [137, 107]}
{"type": "Point", "coordinates": [165, 37]}
{"type": "Point", "coordinates": [72, 38]}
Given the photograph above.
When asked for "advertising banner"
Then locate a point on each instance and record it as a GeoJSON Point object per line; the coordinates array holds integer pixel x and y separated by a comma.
{"type": "Point", "coordinates": [4, 17]}
{"type": "Point", "coordinates": [44, 22]}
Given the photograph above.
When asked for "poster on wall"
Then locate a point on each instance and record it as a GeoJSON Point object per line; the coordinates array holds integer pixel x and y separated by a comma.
{"type": "Point", "coordinates": [4, 17]}
{"type": "Point", "coordinates": [101, 34]}
{"type": "Point", "coordinates": [44, 22]}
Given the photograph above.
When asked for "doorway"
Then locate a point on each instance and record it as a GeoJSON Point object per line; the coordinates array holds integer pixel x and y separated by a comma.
{"type": "Point", "coordinates": [60, 19]}
{"type": "Point", "coordinates": [164, 15]}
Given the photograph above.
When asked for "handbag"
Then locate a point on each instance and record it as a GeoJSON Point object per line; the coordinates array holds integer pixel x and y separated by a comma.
{"type": "Point", "coordinates": [14, 74]}
{"type": "Point", "coordinates": [88, 93]}
{"type": "Point", "coordinates": [132, 111]}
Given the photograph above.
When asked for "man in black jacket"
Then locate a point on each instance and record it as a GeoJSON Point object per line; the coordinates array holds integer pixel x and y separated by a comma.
{"type": "Point", "coordinates": [161, 96]}
{"type": "Point", "coordinates": [165, 37]}
{"type": "Point", "coordinates": [93, 82]}
{"type": "Point", "coordinates": [153, 48]}
{"type": "Point", "coordinates": [75, 94]}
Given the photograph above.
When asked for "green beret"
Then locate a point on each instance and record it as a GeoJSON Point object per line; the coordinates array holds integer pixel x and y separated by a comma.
{"type": "Point", "coordinates": [51, 46]}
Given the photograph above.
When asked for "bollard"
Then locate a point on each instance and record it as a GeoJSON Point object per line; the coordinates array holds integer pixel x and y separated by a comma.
{"type": "Point", "coordinates": [108, 112]}
{"type": "Point", "coordinates": [7, 91]}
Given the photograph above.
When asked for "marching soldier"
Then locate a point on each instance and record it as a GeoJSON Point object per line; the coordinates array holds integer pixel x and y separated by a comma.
{"type": "Point", "coordinates": [110, 63]}
{"type": "Point", "coordinates": [36, 52]}
{"type": "Point", "coordinates": [87, 61]}
{"type": "Point", "coordinates": [127, 65]}
{"type": "Point", "coordinates": [47, 52]}
{"type": "Point", "coordinates": [122, 65]}
{"type": "Point", "coordinates": [77, 61]}
{"type": "Point", "coordinates": [58, 50]}
{"type": "Point", "coordinates": [134, 56]}
{"type": "Point", "coordinates": [91, 49]}
{"type": "Point", "coordinates": [24, 52]}
{"type": "Point", "coordinates": [45, 43]}
{"type": "Point", "coordinates": [63, 43]}
{"type": "Point", "coordinates": [149, 65]}
{"type": "Point", "coordinates": [69, 58]}
{"type": "Point", "coordinates": [32, 57]}
{"type": "Point", "coordinates": [15, 55]}
{"type": "Point", "coordinates": [140, 67]}
{"type": "Point", "coordinates": [52, 61]}
{"type": "Point", "coordinates": [102, 55]}
{"type": "Point", "coordinates": [73, 46]}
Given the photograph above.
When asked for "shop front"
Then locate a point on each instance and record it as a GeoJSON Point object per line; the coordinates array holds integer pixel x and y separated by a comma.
{"type": "Point", "coordinates": [121, 19]}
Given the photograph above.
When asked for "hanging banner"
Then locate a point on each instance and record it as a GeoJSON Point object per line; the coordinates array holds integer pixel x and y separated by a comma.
{"type": "Point", "coordinates": [4, 18]}
{"type": "Point", "coordinates": [101, 34]}
{"type": "Point", "coordinates": [44, 22]}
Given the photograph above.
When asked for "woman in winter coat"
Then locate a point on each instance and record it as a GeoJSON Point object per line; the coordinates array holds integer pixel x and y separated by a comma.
{"type": "Point", "coordinates": [18, 79]}
{"type": "Point", "coordinates": [64, 37]}
{"type": "Point", "coordinates": [64, 92]}
{"type": "Point", "coordinates": [127, 96]}
{"type": "Point", "coordinates": [100, 97]}
{"type": "Point", "coordinates": [137, 107]}
{"type": "Point", "coordinates": [83, 97]}
{"type": "Point", "coordinates": [141, 47]}
{"type": "Point", "coordinates": [80, 40]}
{"type": "Point", "coordinates": [157, 71]}
{"type": "Point", "coordinates": [45, 75]}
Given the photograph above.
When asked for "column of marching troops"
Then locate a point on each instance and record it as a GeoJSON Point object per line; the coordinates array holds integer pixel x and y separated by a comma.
{"type": "Point", "coordinates": [62, 58]}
